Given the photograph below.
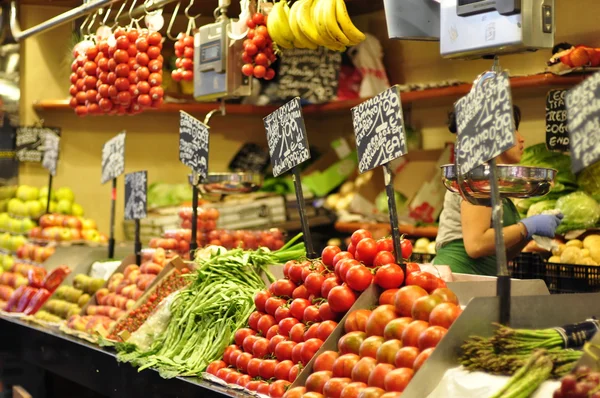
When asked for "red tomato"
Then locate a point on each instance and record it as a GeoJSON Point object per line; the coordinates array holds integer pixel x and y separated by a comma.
{"type": "Point", "coordinates": [388, 296]}
{"type": "Point", "coordinates": [243, 380]}
{"type": "Point", "coordinates": [252, 368]}
{"type": "Point", "coordinates": [313, 394]}
{"type": "Point", "coordinates": [248, 343]}
{"type": "Point", "coordinates": [447, 295]}
{"type": "Point", "coordinates": [233, 357]}
{"type": "Point", "coordinates": [383, 258]}
{"type": "Point", "coordinates": [378, 374]}
{"type": "Point", "coordinates": [263, 388]}
{"type": "Point", "coordinates": [259, 70]}
{"type": "Point", "coordinates": [316, 381]}
{"type": "Point", "coordinates": [359, 277]}
{"type": "Point", "coordinates": [371, 392]}
{"type": "Point", "coordinates": [315, 266]}
{"type": "Point", "coordinates": [329, 284]}
{"type": "Point", "coordinates": [286, 325]}
{"type": "Point", "coordinates": [410, 336]}
{"type": "Point", "coordinates": [412, 267]}
{"type": "Point", "coordinates": [395, 328]}
{"type": "Point", "coordinates": [214, 367]}
{"type": "Point", "coordinates": [334, 387]}
{"type": "Point", "coordinates": [273, 331]}
{"type": "Point", "coordinates": [274, 341]}
{"type": "Point", "coordinates": [405, 357]}
{"type": "Point", "coordinates": [294, 371]}
{"type": "Point", "coordinates": [296, 392]}
{"type": "Point", "coordinates": [282, 369]}
{"type": "Point", "coordinates": [242, 361]}
{"type": "Point", "coordinates": [260, 300]}
{"type": "Point", "coordinates": [423, 306]}
{"type": "Point", "coordinates": [314, 282]}
{"type": "Point", "coordinates": [353, 390]}
{"type": "Point", "coordinates": [241, 334]}
{"type": "Point", "coordinates": [386, 245]}
{"type": "Point", "coordinates": [311, 332]}
{"type": "Point", "coordinates": [444, 315]}
{"type": "Point", "coordinates": [300, 292]}
{"type": "Point", "coordinates": [253, 385]}
{"type": "Point", "coordinates": [297, 333]}
{"type": "Point", "coordinates": [297, 353]}
{"type": "Point", "coordinates": [297, 308]}
{"type": "Point", "coordinates": [342, 256]}
{"type": "Point", "coordinates": [425, 280]}
{"type": "Point", "coordinates": [277, 389]}
{"type": "Point", "coordinates": [266, 370]}
{"type": "Point", "coordinates": [366, 250]}
{"type": "Point", "coordinates": [363, 369]}
{"type": "Point", "coordinates": [350, 342]}
{"type": "Point", "coordinates": [407, 248]}
{"type": "Point", "coordinates": [260, 348]}
{"type": "Point", "coordinates": [311, 314]}
{"type": "Point", "coordinates": [325, 329]}
{"type": "Point", "coordinates": [423, 356]}
{"type": "Point", "coordinates": [389, 276]}
{"type": "Point", "coordinates": [386, 353]}
{"type": "Point", "coordinates": [379, 319]}
{"type": "Point", "coordinates": [228, 352]}
{"type": "Point", "coordinates": [287, 266]}
{"type": "Point", "coordinates": [357, 321]}
{"type": "Point", "coordinates": [248, 69]}
{"type": "Point", "coordinates": [369, 346]}
{"type": "Point", "coordinates": [352, 249]}
{"type": "Point", "coordinates": [223, 373]}
{"type": "Point", "coordinates": [430, 337]}
{"type": "Point", "coordinates": [406, 297]}
{"type": "Point", "coordinates": [232, 377]}
{"type": "Point", "coordinates": [310, 348]}
{"type": "Point", "coordinates": [282, 288]}
{"type": "Point", "coordinates": [283, 350]}
{"type": "Point", "coordinates": [329, 254]}
{"type": "Point", "coordinates": [253, 319]}
{"type": "Point", "coordinates": [398, 379]}
{"type": "Point", "coordinates": [341, 298]}
{"type": "Point", "coordinates": [295, 272]}
{"type": "Point", "coordinates": [326, 314]}
{"type": "Point", "coordinates": [325, 361]}
{"type": "Point", "coordinates": [343, 266]}
{"type": "Point", "coordinates": [272, 304]}
{"type": "Point", "coordinates": [359, 235]}
{"type": "Point", "coordinates": [265, 322]}
{"type": "Point", "coordinates": [343, 365]}
{"type": "Point", "coordinates": [258, 18]}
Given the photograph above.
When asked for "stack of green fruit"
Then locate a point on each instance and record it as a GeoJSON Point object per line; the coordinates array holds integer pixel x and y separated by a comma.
{"type": "Point", "coordinates": [6, 262]}
{"type": "Point", "coordinates": [15, 225]}
{"type": "Point", "coordinates": [31, 202]}
{"type": "Point", "coordinates": [68, 300]}
{"type": "Point", "coordinates": [11, 242]}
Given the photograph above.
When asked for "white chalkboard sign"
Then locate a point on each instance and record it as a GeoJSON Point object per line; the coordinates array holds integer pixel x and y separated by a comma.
{"type": "Point", "coordinates": [557, 133]}
{"type": "Point", "coordinates": [51, 148]}
{"type": "Point", "coordinates": [286, 137]}
{"type": "Point", "coordinates": [193, 144]}
{"type": "Point", "coordinates": [379, 129]}
{"type": "Point", "coordinates": [30, 142]}
{"type": "Point", "coordinates": [136, 195]}
{"type": "Point", "coordinates": [583, 109]}
{"type": "Point", "coordinates": [113, 158]}
{"type": "Point", "coordinates": [309, 74]}
{"type": "Point", "coordinates": [485, 123]}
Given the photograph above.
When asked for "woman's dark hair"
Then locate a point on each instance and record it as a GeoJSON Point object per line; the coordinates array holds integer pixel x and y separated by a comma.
{"type": "Point", "coordinates": [452, 119]}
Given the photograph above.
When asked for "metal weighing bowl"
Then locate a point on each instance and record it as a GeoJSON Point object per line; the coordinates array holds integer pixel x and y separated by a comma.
{"type": "Point", "coordinates": [231, 183]}
{"type": "Point", "coordinates": [513, 181]}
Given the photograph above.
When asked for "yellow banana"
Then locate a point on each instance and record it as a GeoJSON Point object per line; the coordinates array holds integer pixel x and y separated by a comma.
{"type": "Point", "coordinates": [286, 31]}
{"type": "Point", "coordinates": [305, 21]}
{"type": "Point", "coordinates": [274, 23]}
{"type": "Point", "coordinates": [352, 33]}
{"type": "Point", "coordinates": [331, 24]}
{"type": "Point", "coordinates": [300, 39]}
{"type": "Point", "coordinates": [321, 25]}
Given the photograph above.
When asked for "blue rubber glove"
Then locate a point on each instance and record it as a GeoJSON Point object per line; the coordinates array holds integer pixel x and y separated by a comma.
{"type": "Point", "coordinates": [542, 225]}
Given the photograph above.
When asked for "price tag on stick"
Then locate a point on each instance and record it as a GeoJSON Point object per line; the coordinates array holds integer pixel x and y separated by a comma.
{"type": "Point", "coordinates": [136, 203]}
{"type": "Point", "coordinates": [113, 165]}
{"type": "Point", "coordinates": [380, 138]}
{"type": "Point", "coordinates": [193, 152]}
{"type": "Point", "coordinates": [557, 133]}
{"type": "Point", "coordinates": [30, 142]}
{"type": "Point", "coordinates": [583, 108]}
{"type": "Point", "coordinates": [288, 148]}
{"type": "Point", "coordinates": [50, 160]}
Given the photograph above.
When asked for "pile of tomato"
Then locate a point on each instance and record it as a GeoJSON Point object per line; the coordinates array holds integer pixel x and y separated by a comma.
{"type": "Point", "coordinates": [258, 52]}
{"type": "Point", "coordinates": [184, 64]}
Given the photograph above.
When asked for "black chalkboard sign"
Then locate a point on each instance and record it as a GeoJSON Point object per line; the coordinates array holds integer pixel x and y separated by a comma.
{"type": "Point", "coordinates": [113, 158]}
{"type": "Point", "coordinates": [193, 143]}
{"type": "Point", "coordinates": [251, 157]}
{"type": "Point", "coordinates": [557, 133]}
{"type": "Point", "coordinates": [583, 108]}
{"type": "Point", "coordinates": [286, 137]}
{"type": "Point", "coordinates": [136, 195]}
{"type": "Point", "coordinates": [309, 74]}
{"type": "Point", "coordinates": [485, 122]}
{"type": "Point", "coordinates": [30, 142]}
{"type": "Point", "coordinates": [51, 148]}
{"type": "Point", "coordinates": [379, 129]}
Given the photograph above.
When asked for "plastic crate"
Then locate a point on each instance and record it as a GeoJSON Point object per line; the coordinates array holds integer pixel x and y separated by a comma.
{"type": "Point", "coordinates": [422, 258]}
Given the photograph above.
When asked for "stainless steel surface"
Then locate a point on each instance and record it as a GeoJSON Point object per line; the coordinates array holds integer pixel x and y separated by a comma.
{"type": "Point", "coordinates": [230, 183]}
{"type": "Point", "coordinates": [514, 181]}
{"type": "Point", "coordinates": [413, 19]}
{"type": "Point", "coordinates": [527, 312]}
{"type": "Point", "coordinates": [467, 290]}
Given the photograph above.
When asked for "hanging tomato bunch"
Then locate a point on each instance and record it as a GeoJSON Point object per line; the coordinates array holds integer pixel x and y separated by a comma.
{"type": "Point", "coordinates": [184, 50]}
{"type": "Point", "coordinates": [258, 49]}
{"type": "Point", "coordinates": [119, 75]}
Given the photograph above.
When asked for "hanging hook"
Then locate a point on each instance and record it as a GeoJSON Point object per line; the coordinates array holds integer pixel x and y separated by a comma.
{"type": "Point", "coordinates": [187, 11]}
{"type": "Point", "coordinates": [119, 14]}
{"type": "Point", "coordinates": [134, 20]}
{"type": "Point", "coordinates": [108, 12]}
{"type": "Point", "coordinates": [83, 25]}
{"type": "Point", "coordinates": [92, 22]}
{"type": "Point", "coordinates": [172, 21]}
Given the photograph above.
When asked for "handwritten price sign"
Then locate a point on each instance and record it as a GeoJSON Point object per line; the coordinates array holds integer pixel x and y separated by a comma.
{"type": "Point", "coordinates": [485, 123]}
{"type": "Point", "coordinates": [557, 133]}
{"type": "Point", "coordinates": [113, 158]}
{"type": "Point", "coordinates": [286, 136]}
{"type": "Point", "coordinates": [136, 195]}
{"type": "Point", "coordinates": [193, 143]}
{"type": "Point", "coordinates": [51, 148]}
{"type": "Point", "coordinates": [379, 129]}
{"type": "Point", "coordinates": [583, 109]}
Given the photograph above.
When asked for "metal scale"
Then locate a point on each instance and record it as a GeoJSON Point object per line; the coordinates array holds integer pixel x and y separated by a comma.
{"type": "Point", "coordinates": [218, 60]}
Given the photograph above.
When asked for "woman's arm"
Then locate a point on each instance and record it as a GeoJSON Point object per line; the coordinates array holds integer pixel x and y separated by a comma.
{"type": "Point", "coordinates": [479, 237]}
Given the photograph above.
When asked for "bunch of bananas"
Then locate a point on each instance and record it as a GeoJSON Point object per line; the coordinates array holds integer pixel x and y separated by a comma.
{"type": "Point", "coordinates": [313, 23]}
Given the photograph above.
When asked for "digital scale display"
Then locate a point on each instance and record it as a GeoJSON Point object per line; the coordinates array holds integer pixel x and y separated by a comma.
{"type": "Point", "coordinates": [210, 52]}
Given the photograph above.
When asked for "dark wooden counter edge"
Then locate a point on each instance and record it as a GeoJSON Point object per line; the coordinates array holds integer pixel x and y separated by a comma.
{"type": "Point", "coordinates": [97, 368]}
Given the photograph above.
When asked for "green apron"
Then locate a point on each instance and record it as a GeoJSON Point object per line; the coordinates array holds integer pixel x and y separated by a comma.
{"type": "Point", "coordinates": [455, 255]}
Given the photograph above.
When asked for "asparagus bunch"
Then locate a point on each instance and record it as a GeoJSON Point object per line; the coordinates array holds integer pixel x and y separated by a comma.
{"type": "Point", "coordinates": [528, 378]}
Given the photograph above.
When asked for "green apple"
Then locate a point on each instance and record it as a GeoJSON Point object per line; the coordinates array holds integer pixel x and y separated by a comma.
{"type": "Point", "coordinates": [65, 193]}
{"type": "Point", "coordinates": [5, 240]}
{"type": "Point", "coordinates": [15, 225]}
{"type": "Point", "coordinates": [3, 205]}
{"type": "Point", "coordinates": [14, 205]}
{"type": "Point", "coordinates": [25, 192]}
{"type": "Point", "coordinates": [7, 262]}
{"type": "Point", "coordinates": [65, 234]}
{"type": "Point", "coordinates": [43, 202]}
{"type": "Point", "coordinates": [77, 210]}
{"type": "Point", "coordinates": [4, 220]}
{"type": "Point", "coordinates": [34, 208]}
{"type": "Point", "coordinates": [44, 194]}
{"type": "Point", "coordinates": [64, 207]}
{"type": "Point", "coordinates": [7, 192]}
{"type": "Point", "coordinates": [17, 241]}
{"type": "Point", "coordinates": [27, 225]}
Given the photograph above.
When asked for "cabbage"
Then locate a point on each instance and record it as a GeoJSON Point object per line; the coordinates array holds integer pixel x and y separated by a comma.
{"type": "Point", "coordinates": [539, 207]}
{"type": "Point", "coordinates": [580, 210]}
{"type": "Point", "coordinates": [589, 180]}
{"type": "Point", "coordinates": [381, 202]}
{"type": "Point", "coordinates": [539, 156]}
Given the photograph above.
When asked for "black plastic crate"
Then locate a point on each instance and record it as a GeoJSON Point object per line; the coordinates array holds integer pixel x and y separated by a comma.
{"type": "Point", "coordinates": [422, 258]}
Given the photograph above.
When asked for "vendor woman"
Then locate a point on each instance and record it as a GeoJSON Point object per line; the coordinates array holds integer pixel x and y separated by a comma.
{"type": "Point", "coordinates": [465, 240]}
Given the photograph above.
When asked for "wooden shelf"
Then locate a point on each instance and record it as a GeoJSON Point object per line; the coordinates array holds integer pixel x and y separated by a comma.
{"type": "Point", "coordinates": [524, 86]}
